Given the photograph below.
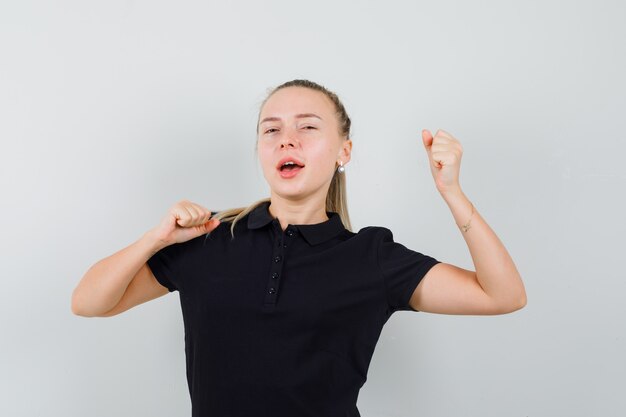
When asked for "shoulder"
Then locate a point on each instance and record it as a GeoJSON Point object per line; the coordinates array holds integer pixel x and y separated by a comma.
{"type": "Point", "coordinates": [370, 235]}
{"type": "Point", "coordinates": [375, 232]}
{"type": "Point", "coordinates": [381, 238]}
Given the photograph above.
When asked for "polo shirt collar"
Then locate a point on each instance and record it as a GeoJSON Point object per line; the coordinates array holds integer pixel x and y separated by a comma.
{"type": "Point", "coordinates": [312, 233]}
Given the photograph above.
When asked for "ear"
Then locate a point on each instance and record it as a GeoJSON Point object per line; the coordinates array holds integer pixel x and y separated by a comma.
{"type": "Point", "coordinates": [345, 151]}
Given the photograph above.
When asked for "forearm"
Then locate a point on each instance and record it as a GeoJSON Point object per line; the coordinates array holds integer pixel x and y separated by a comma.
{"type": "Point", "coordinates": [495, 270]}
{"type": "Point", "coordinates": [105, 282]}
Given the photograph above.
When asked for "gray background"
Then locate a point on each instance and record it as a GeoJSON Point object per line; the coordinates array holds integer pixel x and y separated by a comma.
{"type": "Point", "coordinates": [113, 111]}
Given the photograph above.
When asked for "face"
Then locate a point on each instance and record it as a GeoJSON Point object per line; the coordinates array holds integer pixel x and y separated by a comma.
{"type": "Point", "coordinates": [301, 123]}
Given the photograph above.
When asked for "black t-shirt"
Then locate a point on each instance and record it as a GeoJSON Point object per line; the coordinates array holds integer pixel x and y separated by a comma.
{"type": "Point", "coordinates": [284, 323]}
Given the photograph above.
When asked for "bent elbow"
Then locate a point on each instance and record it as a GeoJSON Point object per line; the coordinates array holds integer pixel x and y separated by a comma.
{"type": "Point", "coordinates": [523, 301]}
{"type": "Point", "coordinates": [77, 308]}
{"type": "Point", "coordinates": [517, 305]}
{"type": "Point", "coordinates": [77, 311]}
{"type": "Point", "coordinates": [510, 306]}
{"type": "Point", "coordinates": [74, 307]}
{"type": "Point", "coordinates": [518, 302]}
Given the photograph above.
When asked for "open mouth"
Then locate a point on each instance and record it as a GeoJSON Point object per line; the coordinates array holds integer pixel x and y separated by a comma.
{"type": "Point", "coordinates": [290, 170]}
{"type": "Point", "coordinates": [290, 167]}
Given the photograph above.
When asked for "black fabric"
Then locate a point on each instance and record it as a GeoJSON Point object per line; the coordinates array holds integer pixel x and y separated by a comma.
{"type": "Point", "coordinates": [284, 323]}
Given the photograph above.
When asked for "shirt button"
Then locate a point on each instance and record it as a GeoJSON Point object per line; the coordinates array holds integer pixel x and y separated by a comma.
{"type": "Point", "coordinates": [275, 275]}
{"type": "Point", "coordinates": [272, 290]}
{"type": "Point", "coordinates": [277, 259]}
{"type": "Point", "coordinates": [285, 245]}
{"type": "Point", "coordinates": [290, 233]}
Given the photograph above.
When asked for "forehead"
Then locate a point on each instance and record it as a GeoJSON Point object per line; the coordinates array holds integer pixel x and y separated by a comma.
{"type": "Point", "coordinates": [295, 100]}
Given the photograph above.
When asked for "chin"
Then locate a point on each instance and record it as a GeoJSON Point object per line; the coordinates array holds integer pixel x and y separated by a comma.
{"type": "Point", "coordinates": [288, 191]}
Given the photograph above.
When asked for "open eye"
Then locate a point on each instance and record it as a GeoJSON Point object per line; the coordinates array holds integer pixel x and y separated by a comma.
{"type": "Point", "coordinates": [270, 129]}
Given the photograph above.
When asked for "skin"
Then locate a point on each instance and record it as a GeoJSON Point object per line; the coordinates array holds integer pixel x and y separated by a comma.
{"type": "Point", "coordinates": [495, 287]}
{"type": "Point", "coordinates": [316, 143]}
{"type": "Point", "coordinates": [123, 280]}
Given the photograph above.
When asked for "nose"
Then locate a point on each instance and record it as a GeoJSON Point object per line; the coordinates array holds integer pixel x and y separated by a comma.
{"type": "Point", "coordinates": [287, 139]}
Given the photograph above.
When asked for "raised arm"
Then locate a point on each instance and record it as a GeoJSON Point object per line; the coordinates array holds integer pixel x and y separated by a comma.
{"type": "Point", "coordinates": [105, 282]}
{"type": "Point", "coordinates": [123, 280]}
{"type": "Point", "coordinates": [496, 286]}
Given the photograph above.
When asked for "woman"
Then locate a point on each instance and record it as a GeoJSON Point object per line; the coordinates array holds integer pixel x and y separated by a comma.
{"type": "Point", "coordinates": [282, 303]}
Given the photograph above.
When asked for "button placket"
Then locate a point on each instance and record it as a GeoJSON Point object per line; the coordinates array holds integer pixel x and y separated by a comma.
{"type": "Point", "coordinates": [278, 260]}
{"type": "Point", "coordinates": [276, 268]}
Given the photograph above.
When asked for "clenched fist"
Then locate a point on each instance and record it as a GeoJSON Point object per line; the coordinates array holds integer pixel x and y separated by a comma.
{"type": "Point", "coordinates": [444, 153]}
{"type": "Point", "coordinates": [185, 220]}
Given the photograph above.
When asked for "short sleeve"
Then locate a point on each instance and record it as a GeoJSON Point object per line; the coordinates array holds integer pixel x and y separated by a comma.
{"type": "Point", "coordinates": [169, 264]}
{"type": "Point", "coordinates": [402, 270]}
{"type": "Point", "coordinates": [165, 266]}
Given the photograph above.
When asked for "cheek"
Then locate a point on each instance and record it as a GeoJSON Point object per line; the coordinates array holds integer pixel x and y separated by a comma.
{"type": "Point", "coordinates": [264, 157]}
{"type": "Point", "coordinates": [329, 155]}
{"type": "Point", "coordinates": [323, 159]}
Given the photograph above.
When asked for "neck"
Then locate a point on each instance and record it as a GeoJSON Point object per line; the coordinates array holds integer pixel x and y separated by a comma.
{"type": "Point", "coordinates": [297, 212]}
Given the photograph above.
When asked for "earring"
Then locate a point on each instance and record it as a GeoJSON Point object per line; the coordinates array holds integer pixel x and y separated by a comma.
{"type": "Point", "coordinates": [341, 169]}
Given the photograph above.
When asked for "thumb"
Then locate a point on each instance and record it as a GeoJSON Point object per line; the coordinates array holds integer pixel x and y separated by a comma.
{"type": "Point", "coordinates": [427, 138]}
{"type": "Point", "coordinates": [199, 230]}
{"type": "Point", "coordinates": [211, 224]}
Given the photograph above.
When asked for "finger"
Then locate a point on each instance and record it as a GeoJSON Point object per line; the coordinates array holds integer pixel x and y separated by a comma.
{"type": "Point", "coordinates": [185, 216]}
{"type": "Point", "coordinates": [452, 148]}
{"type": "Point", "coordinates": [180, 215]}
{"type": "Point", "coordinates": [427, 138]}
{"type": "Point", "coordinates": [446, 158]}
{"type": "Point", "coordinates": [442, 146]}
{"type": "Point", "coordinates": [205, 218]}
{"type": "Point", "coordinates": [205, 213]}
{"type": "Point", "coordinates": [212, 224]}
{"type": "Point", "coordinates": [208, 226]}
{"type": "Point", "coordinates": [197, 214]}
{"type": "Point", "coordinates": [438, 159]}
{"type": "Point", "coordinates": [197, 230]}
{"type": "Point", "coordinates": [441, 139]}
{"type": "Point", "coordinates": [443, 133]}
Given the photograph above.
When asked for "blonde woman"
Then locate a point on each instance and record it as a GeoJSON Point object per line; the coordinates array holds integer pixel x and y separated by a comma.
{"type": "Point", "coordinates": [282, 302]}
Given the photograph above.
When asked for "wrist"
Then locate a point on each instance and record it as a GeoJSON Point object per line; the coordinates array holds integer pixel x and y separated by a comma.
{"type": "Point", "coordinates": [462, 208]}
{"type": "Point", "coordinates": [453, 194]}
{"type": "Point", "coordinates": [151, 242]}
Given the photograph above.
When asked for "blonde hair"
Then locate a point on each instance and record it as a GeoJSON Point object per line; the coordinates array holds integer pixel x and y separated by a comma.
{"type": "Point", "coordinates": [336, 198]}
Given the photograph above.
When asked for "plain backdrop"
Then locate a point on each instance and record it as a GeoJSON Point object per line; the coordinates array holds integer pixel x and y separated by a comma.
{"type": "Point", "coordinates": [110, 112]}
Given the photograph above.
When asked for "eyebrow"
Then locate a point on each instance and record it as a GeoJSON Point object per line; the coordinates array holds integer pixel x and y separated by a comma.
{"type": "Point", "coordinates": [297, 116]}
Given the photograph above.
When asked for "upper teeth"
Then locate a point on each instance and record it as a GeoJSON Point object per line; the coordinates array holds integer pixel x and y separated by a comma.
{"type": "Point", "coordinates": [290, 163]}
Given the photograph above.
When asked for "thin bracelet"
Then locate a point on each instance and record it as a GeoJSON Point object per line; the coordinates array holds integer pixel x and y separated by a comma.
{"type": "Point", "coordinates": [467, 225]}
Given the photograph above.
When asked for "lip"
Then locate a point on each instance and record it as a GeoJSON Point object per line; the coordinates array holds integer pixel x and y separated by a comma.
{"type": "Point", "coordinates": [287, 159]}
{"type": "Point", "coordinates": [289, 174]}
